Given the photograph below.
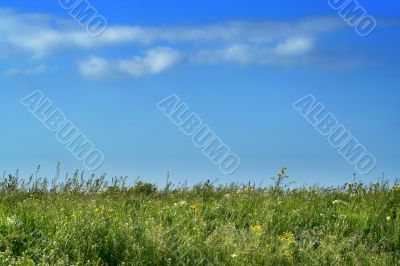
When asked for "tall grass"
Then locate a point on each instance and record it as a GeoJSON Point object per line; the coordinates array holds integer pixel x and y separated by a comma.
{"type": "Point", "coordinates": [79, 221]}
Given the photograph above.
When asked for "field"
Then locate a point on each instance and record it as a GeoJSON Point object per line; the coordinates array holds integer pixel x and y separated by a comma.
{"type": "Point", "coordinates": [90, 222]}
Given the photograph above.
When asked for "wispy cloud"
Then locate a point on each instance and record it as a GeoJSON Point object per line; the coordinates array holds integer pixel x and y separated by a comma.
{"type": "Point", "coordinates": [94, 67]}
{"type": "Point", "coordinates": [289, 52]}
{"type": "Point", "coordinates": [42, 34]}
{"type": "Point", "coordinates": [154, 61]}
{"type": "Point", "coordinates": [241, 42]}
{"type": "Point", "coordinates": [294, 46]}
{"type": "Point", "coordinates": [15, 71]}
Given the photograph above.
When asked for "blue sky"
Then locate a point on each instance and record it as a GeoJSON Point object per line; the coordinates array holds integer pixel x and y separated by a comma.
{"type": "Point", "coordinates": [239, 65]}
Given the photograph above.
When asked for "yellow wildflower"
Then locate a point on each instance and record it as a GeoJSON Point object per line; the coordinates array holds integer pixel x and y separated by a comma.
{"type": "Point", "coordinates": [256, 229]}
{"type": "Point", "coordinates": [195, 208]}
{"type": "Point", "coordinates": [287, 238]}
{"type": "Point", "coordinates": [288, 255]}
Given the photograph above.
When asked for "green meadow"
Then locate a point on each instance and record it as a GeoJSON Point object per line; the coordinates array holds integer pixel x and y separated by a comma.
{"type": "Point", "coordinates": [80, 221]}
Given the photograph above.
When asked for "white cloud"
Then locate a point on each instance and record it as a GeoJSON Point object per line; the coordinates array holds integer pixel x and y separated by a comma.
{"type": "Point", "coordinates": [42, 35]}
{"type": "Point", "coordinates": [243, 31]}
{"type": "Point", "coordinates": [94, 67]}
{"type": "Point", "coordinates": [272, 43]}
{"type": "Point", "coordinates": [14, 71]}
{"type": "Point", "coordinates": [286, 53]}
{"type": "Point", "coordinates": [154, 61]}
{"type": "Point", "coordinates": [36, 70]}
{"type": "Point", "coordinates": [294, 46]}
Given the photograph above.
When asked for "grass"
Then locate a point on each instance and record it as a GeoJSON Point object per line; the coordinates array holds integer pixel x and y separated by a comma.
{"type": "Point", "coordinates": [90, 222]}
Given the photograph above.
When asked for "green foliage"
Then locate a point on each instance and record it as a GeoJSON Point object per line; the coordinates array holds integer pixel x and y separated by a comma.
{"type": "Point", "coordinates": [92, 222]}
{"type": "Point", "coordinates": [144, 188]}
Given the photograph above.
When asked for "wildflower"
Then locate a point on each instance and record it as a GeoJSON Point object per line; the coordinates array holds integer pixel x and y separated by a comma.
{"type": "Point", "coordinates": [388, 218]}
{"type": "Point", "coordinates": [234, 255]}
{"type": "Point", "coordinates": [195, 208]}
{"type": "Point", "coordinates": [335, 202]}
{"type": "Point", "coordinates": [256, 229]}
{"type": "Point", "coordinates": [11, 221]}
{"type": "Point", "coordinates": [396, 187]}
{"type": "Point", "coordinates": [287, 238]}
{"type": "Point", "coordinates": [288, 255]}
{"type": "Point", "coordinates": [180, 204]}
